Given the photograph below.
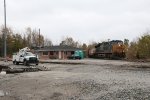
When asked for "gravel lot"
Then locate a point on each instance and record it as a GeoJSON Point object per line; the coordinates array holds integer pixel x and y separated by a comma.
{"type": "Point", "coordinates": [87, 79]}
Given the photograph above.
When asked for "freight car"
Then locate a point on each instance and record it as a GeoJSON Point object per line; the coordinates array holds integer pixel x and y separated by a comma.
{"type": "Point", "coordinates": [114, 49]}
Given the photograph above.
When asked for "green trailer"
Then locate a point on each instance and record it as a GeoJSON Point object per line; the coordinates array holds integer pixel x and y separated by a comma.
{"type": "Point", "coordinates": [78, 54]}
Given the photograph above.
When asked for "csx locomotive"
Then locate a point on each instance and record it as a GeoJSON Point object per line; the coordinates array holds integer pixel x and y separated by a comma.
{"type": "Point", "coordinates": [110, 49]}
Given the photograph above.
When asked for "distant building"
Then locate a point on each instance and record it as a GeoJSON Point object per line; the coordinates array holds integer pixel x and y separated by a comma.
{"type": "Point", "coordinates": [56, 52]}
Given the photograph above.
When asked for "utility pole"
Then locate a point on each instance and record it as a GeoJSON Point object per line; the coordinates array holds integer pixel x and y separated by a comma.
{"type": "Point", "coordinates": [39, 36]}
{"type": "Point", "coordinates": [5, 31]}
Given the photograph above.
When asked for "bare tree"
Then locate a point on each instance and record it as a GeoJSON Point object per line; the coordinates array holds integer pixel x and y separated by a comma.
{"type": "Point", "coordinates": [29, 38]}
{"type": "Point", "coordinates": [92, 44]}
{"type": "Point", "coordinates": [34, 38]}
{"type": "Point", "coordinates": [69, 42]}
{"type": "Point", "coordinates": [126, 42]}
{"type": "Point", "coordinates": [47, 42]}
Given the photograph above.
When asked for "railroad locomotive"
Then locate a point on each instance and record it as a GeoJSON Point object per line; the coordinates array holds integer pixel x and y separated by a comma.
{"type": "Point", "coordinates": [112, 49]}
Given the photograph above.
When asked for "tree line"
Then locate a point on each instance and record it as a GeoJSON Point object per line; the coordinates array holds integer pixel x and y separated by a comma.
{"type": "Point", "coordinates": [33, 39]}
{"type": "Point", "coordinates": [140, 48]}
{"type": "Point", "coordinates": [137, 49]}
{"type": "Point", "coordinates": [30, 38]}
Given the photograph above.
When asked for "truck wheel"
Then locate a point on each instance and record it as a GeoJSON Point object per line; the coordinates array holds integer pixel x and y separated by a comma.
{"type": "Point", "coordinates": [25, 63]}
{"type": "Point", "coordinates": [16, 63]}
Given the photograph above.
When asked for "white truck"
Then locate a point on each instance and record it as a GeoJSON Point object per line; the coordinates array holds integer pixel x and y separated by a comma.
{"type": "Point", "coordinates": [25, 56]}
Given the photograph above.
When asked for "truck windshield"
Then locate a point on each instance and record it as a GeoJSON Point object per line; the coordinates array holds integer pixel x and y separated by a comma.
{"type": "Point", "coordinates": [29, 54]}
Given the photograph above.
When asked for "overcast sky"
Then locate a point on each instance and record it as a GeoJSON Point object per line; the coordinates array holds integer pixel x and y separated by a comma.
{"type": "Point", "coordinates": [84, 20]}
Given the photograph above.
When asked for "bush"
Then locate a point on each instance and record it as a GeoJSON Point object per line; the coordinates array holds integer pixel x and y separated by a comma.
{"type": "Point", "coordinates": [140, 49]}
{"type": "Point", "coordinates": [132, 51]}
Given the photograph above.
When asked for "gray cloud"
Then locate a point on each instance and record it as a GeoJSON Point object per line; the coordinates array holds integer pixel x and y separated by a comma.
{"type": "Point", "coordinates": [84, 20]}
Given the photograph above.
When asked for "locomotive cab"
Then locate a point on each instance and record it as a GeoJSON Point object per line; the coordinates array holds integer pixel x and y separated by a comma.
{"type": "Point", "coordinates": [110, 49]}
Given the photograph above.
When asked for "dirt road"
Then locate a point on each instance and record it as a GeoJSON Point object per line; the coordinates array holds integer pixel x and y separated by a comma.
{"type": "Point", "coordinates": [88, 80]}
